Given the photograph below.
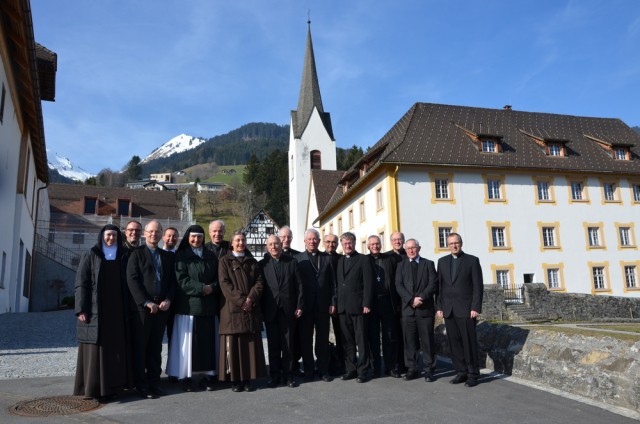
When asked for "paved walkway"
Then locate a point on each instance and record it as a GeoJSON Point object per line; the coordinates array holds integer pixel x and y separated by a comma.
{"type": "Point", "coordinates": [37, 359]}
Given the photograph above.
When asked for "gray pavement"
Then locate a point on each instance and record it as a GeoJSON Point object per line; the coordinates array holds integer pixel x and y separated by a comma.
{"type": "Point", "coordinates": [37, 359]}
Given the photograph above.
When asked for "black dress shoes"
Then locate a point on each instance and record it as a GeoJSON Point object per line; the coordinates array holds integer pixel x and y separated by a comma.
{"type": "Point", "coordinates": [291, 382]}
{"type": "Point", "coordinates": [145, 394]}
{"type": "Point", "coordinates": [395, 374]}
{"type": "Point", "coordinates": [327, 378]}
{"type": "Point", "coordinates": [349, 376]}
{"type": "Point", "coordinates": [187, 385]}
{"type": "Point", "coordinates": [208, 383]}
{"type": "Point", "coordinates": [458, 379]}
{"type": "Point", "coordinates": [362, 378]}
{"type": "Point", "coordinates": [248, 387]}
{"type": "Point", "coordinates": [410, 375]}
{"type": "Point", "coordinates": [428, 377]}
{"type": "Point", "coordinates": [471, 382]}
{"type": "Point", "coordinates": [237, 388]}
{"type": "Point", "coordinates": [157, 391]}
{"type": "Point", "coordinates": [273, 383]}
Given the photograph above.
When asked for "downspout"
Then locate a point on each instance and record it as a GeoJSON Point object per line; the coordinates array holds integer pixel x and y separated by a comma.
{"type": "Point", "coordinates": [394, 218]}
{"type": "Point", "coordinates": [35, 232]}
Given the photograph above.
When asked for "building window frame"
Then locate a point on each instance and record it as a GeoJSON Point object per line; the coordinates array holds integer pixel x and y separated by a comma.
{"type": "Point", "coordinates": [503, 273]}
{"type": "Point", "coordinates": [442, 188]}
{"type": "Point", "coordinates": [544, 190]}
{"type": "Point", "coordinates": [351, 220]}
{"type": "Point", "coordinates": [634, 186]}
{"type": "Point", "coordinates": [549, 233]}
{"type": "Point", "coordinates": [610, 191]}
{"type": "Point", "coordinates": [555, 150]}
{"type": "Point", "coordinates": [439, 230]}
{"type": "Point", "coordinates": [599, 273]}
{"type": "Point", "coordinates": [630, 281]}
{"type": "Point", "coordinates": [594, 233]}
{"type": "Point", "coordinates": [495, 189]}
{"type": "Point", "coordinates": [362, 210]}
{"type": "Point", "coordinates": [626, 235]}
{"type": "Point", "coordinates": [379, 199]}
{"type": "Point", "coordinates": [559, 273]}
{"type": "Point", "coordinates": [584, 192]}
{"type": "Point", "coordinates": [499, 236]}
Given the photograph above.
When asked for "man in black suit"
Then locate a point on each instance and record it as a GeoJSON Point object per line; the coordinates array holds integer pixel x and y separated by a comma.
{"type": "Point", "coordinates": [319, 300]}
{"type": "Point", "coordinates": [336, 363]}
{"type": "Point", "coordinates": [398, 253]}
{"type": "Point", "coordinates": [386, 303]}
{"type": "Point", "coordinates": [218, 245]}
{"type": "Point", "coordinates": [417, 283]}
{"type": "Point", "coordinates": [460, 303]}
{"type": "Point", "coordinates": [282, 303]}
{"type": "Point", "coordinates": [151, 278]}
{"type": "Point", "coordinates": [286, 237]}
{"type": "Point", "coordinates": [355, 276]}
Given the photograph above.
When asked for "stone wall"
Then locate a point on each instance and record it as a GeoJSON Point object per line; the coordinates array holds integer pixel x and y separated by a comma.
{"type": "Point", "coordinates": [562, 306]}
{"type": "Point", "coordinates": [603, 368]}
{"type": "Point", "coordinates": [578, 306]}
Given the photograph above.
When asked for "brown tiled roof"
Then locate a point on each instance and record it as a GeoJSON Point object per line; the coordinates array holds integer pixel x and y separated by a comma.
{"type": "Point", "coordinates": [69, 198]}
{"type": "Point", "coordinates": [325, 183]}
{"type": "Point", "coordinates": [437, 135]}
{"type": "Point", "coordinates": [431, 134]}
{"type": "Point", "coordinates": [47, 67]}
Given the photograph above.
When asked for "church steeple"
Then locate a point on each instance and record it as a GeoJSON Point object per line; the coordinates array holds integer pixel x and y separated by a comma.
{"type": "Point", "coordinates": [310, 97]}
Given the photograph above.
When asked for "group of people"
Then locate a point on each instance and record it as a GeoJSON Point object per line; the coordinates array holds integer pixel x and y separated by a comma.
{"type": "Point", "coordinates": [214, 298]}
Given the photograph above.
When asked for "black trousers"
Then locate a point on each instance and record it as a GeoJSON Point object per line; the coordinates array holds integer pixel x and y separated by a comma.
{"type": "Point", "coordinates": [419, 335]}
{"type": "Point", "coordinates": [315, 319]}
{"type": "Point", "coordinates": [355, 334]}
{"type": "Point", "coordinates": [463, 343]}
{"type": "Point", "coordinates": [337, 332]}
{"type": "Point", "coordinates": [383, 324]}
{"type": "Point", "coordinates": [148, 331]}
{"type": "Point", "coordinates": [279, 343]}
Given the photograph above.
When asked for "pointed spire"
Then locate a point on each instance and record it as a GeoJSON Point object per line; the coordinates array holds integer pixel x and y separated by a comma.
{"type": "Point", "coordinates": [309, 89]}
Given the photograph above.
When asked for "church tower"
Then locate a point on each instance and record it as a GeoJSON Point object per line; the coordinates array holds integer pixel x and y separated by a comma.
{"type": "Point", "coordinates": [311, 144]}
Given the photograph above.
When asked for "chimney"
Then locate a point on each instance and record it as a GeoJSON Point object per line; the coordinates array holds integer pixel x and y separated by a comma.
{"type": "Point", "coordinates": [506, 107]}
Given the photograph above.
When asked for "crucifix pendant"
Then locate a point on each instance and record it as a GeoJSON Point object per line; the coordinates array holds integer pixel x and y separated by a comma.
{"type": "Point", "coordinates": [378, 278]}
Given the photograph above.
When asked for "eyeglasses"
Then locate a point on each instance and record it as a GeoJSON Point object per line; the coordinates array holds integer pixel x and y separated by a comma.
{"type": "Point", "coordinates": [133, 230]}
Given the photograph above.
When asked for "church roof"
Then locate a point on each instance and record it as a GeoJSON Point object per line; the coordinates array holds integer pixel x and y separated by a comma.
{"type": "Point", "coordinates": [450, 136]}
{"type": "Point", "coordinates": [310, 97]}
{"type": "Point", "coordinates": [325, 183]}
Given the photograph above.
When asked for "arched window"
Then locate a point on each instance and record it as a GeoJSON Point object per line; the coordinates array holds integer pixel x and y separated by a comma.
{"type": "Point", "coordinates": [316, 159]}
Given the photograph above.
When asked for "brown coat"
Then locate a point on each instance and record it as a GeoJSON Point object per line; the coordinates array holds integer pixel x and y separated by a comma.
{"type": "Point", "coordinates": [240, 278]}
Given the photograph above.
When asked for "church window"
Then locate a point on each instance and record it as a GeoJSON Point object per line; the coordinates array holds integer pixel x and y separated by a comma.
{"type": "Point", "coordinates": [316, 159]}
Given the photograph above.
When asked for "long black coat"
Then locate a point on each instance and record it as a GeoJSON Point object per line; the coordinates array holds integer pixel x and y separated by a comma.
{"type": "Point", "coordinates": [86, 293]}
{"type": "Point", "coordinates": [426, 287]}
{"type": "Point", "coordinates": [319, 284]}
{"type": "Point", "coordinates": [286, 293]}
{"type": "Point", "coordinates": [141, 277]}
{"type": "Point", "coordinates": [354, 286]}
{"type": "Point", "coordinates": [459, 297]}
{"type": "Point", "coordinates": [385, 266]}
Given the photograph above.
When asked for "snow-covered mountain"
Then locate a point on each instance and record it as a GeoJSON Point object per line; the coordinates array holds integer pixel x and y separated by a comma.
{"type": "Point", "coordinates": [177, 144]}
{"type": "Point", "coordinates": [65, 167]}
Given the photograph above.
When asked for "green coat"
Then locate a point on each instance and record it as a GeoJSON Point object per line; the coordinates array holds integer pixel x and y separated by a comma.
{"type": "Point", "coordinates": [193, 273]}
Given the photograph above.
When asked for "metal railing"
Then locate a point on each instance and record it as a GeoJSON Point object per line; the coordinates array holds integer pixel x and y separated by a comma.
{"type": "Point", "coordinates": [56, 252]}
{"type": "Point", "coordinates": [514, 294]}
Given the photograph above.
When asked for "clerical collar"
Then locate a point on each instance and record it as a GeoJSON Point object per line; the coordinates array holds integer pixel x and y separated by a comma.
{"type": "Point", "coordinates": [416, 259]}
{"type": "Point", "coordinates": [238, 254]}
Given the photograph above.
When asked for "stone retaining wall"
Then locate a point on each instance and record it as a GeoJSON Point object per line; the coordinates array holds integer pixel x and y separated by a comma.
{"type": "Point", "coordinates": [563, 306]}
{"type": "Point", "coordinates": [603, 368]}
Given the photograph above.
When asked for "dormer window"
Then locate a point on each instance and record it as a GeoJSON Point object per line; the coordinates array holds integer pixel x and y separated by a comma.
{"type": "Point", "coordinates": [555, 150]}
{"type": "Point", "coordinates": [622, 153]}
{"type": "Point", "coordinates": [489, 146]}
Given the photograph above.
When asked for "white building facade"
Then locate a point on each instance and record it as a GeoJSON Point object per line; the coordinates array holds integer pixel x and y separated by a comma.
{"type": "Point", "coordinates": [527, 218]}
{"type": "Point", "coordinates": [23, 160]}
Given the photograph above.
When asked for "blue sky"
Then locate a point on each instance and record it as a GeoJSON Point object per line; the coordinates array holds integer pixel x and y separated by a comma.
{"type": "Point", "coordinates": [133, 74]}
